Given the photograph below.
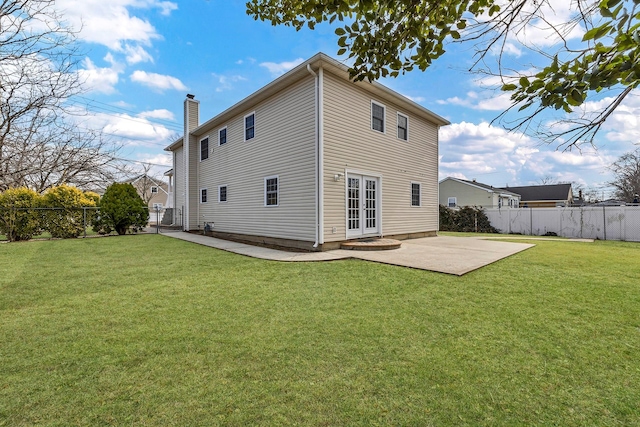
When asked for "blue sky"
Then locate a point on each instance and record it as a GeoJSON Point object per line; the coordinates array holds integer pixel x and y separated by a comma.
{"type": "Point", "coordinates": [141, 57]}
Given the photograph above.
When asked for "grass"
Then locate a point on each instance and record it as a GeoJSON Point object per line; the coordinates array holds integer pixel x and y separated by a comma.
{"type": "Point", "coordinates": [147, 330]}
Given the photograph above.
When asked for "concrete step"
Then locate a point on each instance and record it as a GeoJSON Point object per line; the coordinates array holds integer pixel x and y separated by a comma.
{"type": "Point", "coordinates": [376, 244]}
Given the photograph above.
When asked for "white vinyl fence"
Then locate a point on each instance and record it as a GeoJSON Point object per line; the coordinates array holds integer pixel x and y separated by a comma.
{"type": "Point", "coordinates": [589, 222]}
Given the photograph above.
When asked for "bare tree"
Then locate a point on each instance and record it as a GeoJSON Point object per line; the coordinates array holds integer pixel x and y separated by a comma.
{"type": "Point", "coordinates": [38, 74]}
{"type": "Point", "coordinates": [627, 176]}
{"type": "Point", "coordinates": [145, 182]}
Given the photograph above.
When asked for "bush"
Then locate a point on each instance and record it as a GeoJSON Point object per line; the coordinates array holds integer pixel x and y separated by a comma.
{"type": "Point", "coordinates": [18, 218]}
{"type": "Point", "coordinates": [67, 220]}
{"type": "Point", "coordinates": [122, 210]}
{"type": "Point", "coordinates": [466, 219]}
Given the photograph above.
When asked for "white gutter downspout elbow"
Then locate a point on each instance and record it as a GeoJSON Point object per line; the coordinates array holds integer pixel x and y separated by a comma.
{"type": "Point", "coordinates": [317, 143]}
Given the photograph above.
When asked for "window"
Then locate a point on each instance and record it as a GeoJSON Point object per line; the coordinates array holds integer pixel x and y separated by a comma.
{"type": "Point", "coordinates": [249, 126]}
{"type": "Point", "coordinates": [203, 195]}
{"type": "Point", "coordinates": [157, 206]}
{"type": "Point", "coordinates": [222, 193]}
{"type": "Point", "coordinates": [222, 136]}
{"type": "Point", "coordinates": [204, 149]}
{"type": "Point", "coordinates": [271, 191]}
{"type": "Point", "coordinates": [377, 116]}
{"type": "Point", "coordinates": [415, 194]}
{"type": "Point", "coordinates": [452, 202]}
{"type": "Point", "coordinates": [403, 127]}
{"type": "Point", "coordinates": [154, 190]}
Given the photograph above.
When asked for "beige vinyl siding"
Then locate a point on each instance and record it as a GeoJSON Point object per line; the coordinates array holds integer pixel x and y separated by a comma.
{"type": "Point", "coordinates": [466, 195]}
{"type": "Point", "coordinates": [350, 143]}
{"type": "Point", "coordinates": [194, 187]}
{"type": "Point", "coordinates": [284, 145]}
{"type": "Point", "coordinates": [178, 185]}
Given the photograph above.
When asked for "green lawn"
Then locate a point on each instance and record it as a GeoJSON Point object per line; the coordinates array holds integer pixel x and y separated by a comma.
{"type": "Point", "coordinates": [150, 331]}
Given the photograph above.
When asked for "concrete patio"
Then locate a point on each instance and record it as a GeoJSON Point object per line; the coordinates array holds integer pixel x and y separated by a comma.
{"type": "Point", "coordinates": [443, 254]}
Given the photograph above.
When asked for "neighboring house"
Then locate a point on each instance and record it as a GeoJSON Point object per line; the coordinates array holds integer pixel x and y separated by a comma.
{"type": "Point", "coordinates": [455, 192]}
{"type": "Point", "coordinates": [309, 161]}
{"type": "Point", "coordinates": [155, 191]}
{"type": "Point", "coordinates": [544, 196]}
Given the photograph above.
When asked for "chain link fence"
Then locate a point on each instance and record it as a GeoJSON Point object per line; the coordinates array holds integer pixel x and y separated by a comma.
{"type": "Point", "coordinates": [588, 222]}
{"type": "Point", "coordinates": [57, 222]}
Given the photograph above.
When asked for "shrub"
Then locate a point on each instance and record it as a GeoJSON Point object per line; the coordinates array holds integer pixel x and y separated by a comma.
{"type": "Point", "coordinates": [67, 219]}
{"type": "Point", "coordinates": [18, 218]}
{"type": "Point", "coordinates": [466, 219]}
{"type": "Point", "coordinates": [122, 210]}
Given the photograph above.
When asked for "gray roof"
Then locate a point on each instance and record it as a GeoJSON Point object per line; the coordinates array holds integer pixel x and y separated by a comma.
{"type": "Point", "coordinates": [485, 186]}
{"type": "Point", "coordinates": [542, 192]}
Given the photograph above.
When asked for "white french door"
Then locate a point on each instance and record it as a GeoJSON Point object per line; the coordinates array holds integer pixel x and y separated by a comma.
{"type": "Point", "coordinates": [363, 205]}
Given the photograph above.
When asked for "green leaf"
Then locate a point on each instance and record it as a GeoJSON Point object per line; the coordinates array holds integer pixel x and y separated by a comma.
{"type": "Point", "coordinates": [524, 82]}
{"type": "Point", "coordinates": [340, 31]}
{"type": "Point", "coordinates": [508, 87]}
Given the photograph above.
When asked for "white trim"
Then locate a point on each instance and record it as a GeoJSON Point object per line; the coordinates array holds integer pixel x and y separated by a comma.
{"type": "Point", "coordinates": [398, 125]}
{"type": "Point", "coordinates": [154, 187]}
{"type": "Point", "coordinates": [226, 135]}
{"type": "Point", "coordinates": [455, 202]}
{"type": "Point", "coordinates": [244, 126]}
{"type": "Point", "coordinates": [227, 195]}
{"type": "Point", "coordinates": [384, 116]}
{"type": "Point", "coordinates": [200, 148]}
{"type": "Point", "coordinates": [207, 192]}
{"type": "Point", "coordinates": [316, 146]}
{"type": "Point", "coordinates": [419, 184]}
{"type": "Point", "coordinates": [277, 191]}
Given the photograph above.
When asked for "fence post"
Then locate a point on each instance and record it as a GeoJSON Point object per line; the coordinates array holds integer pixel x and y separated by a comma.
{"type": "Point", "coordinates": [531, 221]}
{"type": "Point", "coordinates": [604, 220]}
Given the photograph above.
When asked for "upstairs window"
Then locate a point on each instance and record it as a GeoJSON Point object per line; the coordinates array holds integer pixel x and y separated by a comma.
{"type": "Point", "coordinates": [154, 190]}
{"type": "Point", "coordinates": [249, 126]}
{"type": "Point", "coordinates": [377, 117]}
{"type": "Point", "coordinates": [452, 202]}
{"type": "Point", "coordinates": [415, 194]}
{"type": "Point", "coordinates": [222, 193]}
{"type": "Point", "coordinates": [203, 195]}
{"type": "Point", "coordinates": [222, 136]}
{"type": "Point", "coordinates": [204, 149]}
{"type": "Point", "coordinates": [403, 127]}
{"type": "Point", "coordinates": [271, 191]}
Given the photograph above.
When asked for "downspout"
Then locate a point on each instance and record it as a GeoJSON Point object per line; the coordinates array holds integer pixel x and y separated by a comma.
{"type": "Point", "coordinates": [186, 154]}
{"type": "Point", "coordinates": [321, 153]}
{"type": "Point", "coordinates": [317, 143]}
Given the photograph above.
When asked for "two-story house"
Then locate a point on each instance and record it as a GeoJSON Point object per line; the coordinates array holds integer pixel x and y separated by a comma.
{"type": "Point", "coordinates": [309, 161]}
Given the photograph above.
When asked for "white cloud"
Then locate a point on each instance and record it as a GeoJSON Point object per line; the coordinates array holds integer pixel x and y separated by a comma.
{"type": "Point", "coordinates": [112, 24]}
{"type": "Point", "coordinates": [136, 54]}
{"type": "Point", "coordinates": [496, 157]}
{"type": "Point", "coordinates": [98, 79]}
{"type": "Point", "coordinates": [226, 82]}
{"type": "Point", "coordinates": [158, 114]}
{"type": "Point", "coordinates": [279, 68]}
{"type": "Point", "coordinates": [157, 81]}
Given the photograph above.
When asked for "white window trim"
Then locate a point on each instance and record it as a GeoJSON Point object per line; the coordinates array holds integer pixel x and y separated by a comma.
{"type": "Point", "coordinates": [419, 184]}
{"type": "Point", "coordinates": [219, 187]}
{"type": "Point", "coordinates": [398, 125]}
{"type": "Point", "coordinates": [220, 130]}
{"type": "Point", "coordinates": [277, 192]}
{"type": "Point", "coordinates": [154, 187]}
{"type": "Point", "coordinates": [201, 195]}
{"type": "Point", "coordinates": [384, 116]}
{"type": "Point", "coordinates": [158, 206]}
{"type": "Point", "coordinates": [208, 148]}
{"type": "Point", "coordinates": [244, 126]}
{"type": "Point", "coordinates": [455, 202]}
